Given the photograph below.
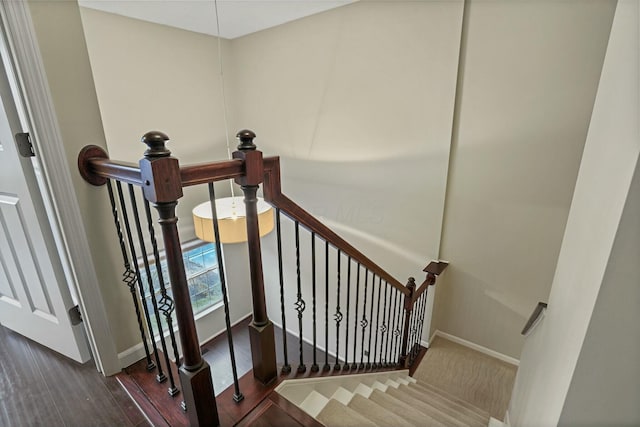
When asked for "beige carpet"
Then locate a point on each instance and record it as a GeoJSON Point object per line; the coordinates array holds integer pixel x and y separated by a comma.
{"type": "Point", "coordinates": [479, 379]}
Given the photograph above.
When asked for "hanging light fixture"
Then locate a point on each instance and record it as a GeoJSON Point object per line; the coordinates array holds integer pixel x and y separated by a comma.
{"type": "Point", "coordinates": [232, 221]}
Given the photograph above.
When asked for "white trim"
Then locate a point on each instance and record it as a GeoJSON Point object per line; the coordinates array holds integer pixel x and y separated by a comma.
{"type": "Point", "coordinates": [507, 419]}
{"type": "Point", "coordinates": [37, 101]}
{"type": "Point", "coordinates": [221, 331]}
{"type": "Point", "coordinates": [424, 343]}
{"type": "Point", "coordinates": [136, 353]}
{"type": "Point", "coordinates": [477, 347]}
{"type": "Point", "coordinates": [131, 355]}
{"type": "Point", "coordinates": [494, 422]}
{"type": "Point", "coordinates": [433, 337]}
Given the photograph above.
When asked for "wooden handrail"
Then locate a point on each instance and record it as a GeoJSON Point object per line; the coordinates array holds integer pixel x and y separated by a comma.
{"type": "Point", "coordinates": [204, 173]}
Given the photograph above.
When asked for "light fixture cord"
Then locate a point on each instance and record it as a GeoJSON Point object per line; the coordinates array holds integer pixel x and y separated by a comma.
{"type": "Point", "coordinates": [224, 102]}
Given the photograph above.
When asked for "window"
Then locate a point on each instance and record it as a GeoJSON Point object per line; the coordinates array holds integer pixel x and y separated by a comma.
{"type": "Point", "coordinates": [203, 278]}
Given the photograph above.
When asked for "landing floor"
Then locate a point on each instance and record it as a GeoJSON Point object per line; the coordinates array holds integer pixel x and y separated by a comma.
{"type": "Point", "coordinates": [38, 387]}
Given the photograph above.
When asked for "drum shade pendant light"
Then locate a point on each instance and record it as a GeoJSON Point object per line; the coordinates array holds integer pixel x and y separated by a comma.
{"type": "Point", "coordinates": [232, 221]}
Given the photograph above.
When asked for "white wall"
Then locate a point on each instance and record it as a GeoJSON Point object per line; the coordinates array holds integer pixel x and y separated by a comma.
{"type": "Point", "coordinates": [551, 352]}
{"type": "Point", "coordinates": [358, 102]}
{"type": "Point", "coordinates": [62, 46]}
{"type": "Point", "coordinates": [530, 71]}
{"type": "Point", "coordinates": [605, 388]}
{"type": "Point", "coordinates": [150, 76]}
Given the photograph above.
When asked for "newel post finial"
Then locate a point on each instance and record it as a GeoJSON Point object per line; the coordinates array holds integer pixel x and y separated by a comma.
{"type": "Point", "coordinates": [156, 141]}
{"type": "Point", "coordinates": [246, 138]}
{"type": "Point", "coordinates": [411, 284]}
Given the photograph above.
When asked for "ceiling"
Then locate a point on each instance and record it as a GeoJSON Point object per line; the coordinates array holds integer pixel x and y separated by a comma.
{"type": "Point", "coordinates": [237, 17]}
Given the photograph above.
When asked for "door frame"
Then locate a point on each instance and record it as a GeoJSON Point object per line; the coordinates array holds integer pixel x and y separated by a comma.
{"type": "Point", "coordinates": [32, 96]}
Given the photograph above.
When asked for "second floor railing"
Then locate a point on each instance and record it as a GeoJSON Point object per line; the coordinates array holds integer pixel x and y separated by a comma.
{"type": "Point", "coordinates": [335, 310]}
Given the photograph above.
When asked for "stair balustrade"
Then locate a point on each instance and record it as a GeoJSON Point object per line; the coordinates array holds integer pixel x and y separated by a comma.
{"type": "Point", "coordinates": [362, 319]}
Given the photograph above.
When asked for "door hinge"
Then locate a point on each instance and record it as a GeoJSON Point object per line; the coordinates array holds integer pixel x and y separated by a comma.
{"type": "Point", "coordinates": [75, 315]}
{"type": "Point", "coordinates": [25, 147]}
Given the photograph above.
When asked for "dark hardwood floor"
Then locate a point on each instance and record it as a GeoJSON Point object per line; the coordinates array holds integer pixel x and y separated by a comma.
{"type": "Point", "coordinates": [38, 387]}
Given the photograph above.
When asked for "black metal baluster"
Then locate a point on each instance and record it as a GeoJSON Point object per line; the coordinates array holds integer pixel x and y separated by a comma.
{"type": "Point", "coordinates": [373, 291]}
{"type": "Point", "coordinates": [160, 377]}
{"type": "Point", "coordinates": [286, 368]}
{"type": "Point", "coordinates": [364, 322]}
{"type": "Point", "coordinates": [338, 318]}
{"type": "Point", "coordinates": [412, 339]}
{"type": "Point", "coordinates": [375, 347]}
{"type": "Point", "coordinates": [128, 276]}
{"type": "Point", "coordinates": [384, 328]}
{"type": "Point", "coordinates": [392, 331]}
{"type": "Point", "coordinates": [314, 367]}
{"type": "Point", "coordinates": [237, 394]}
{"type": "Point", "coordinates": [400, 327]}
{"type": "Point", "coordinates": [165, 305]}
{"type": "Point", "coordinates": [354, 364]}
{"type": "Point", "coordinates": [326, 366]}
{"type": "Point", "coordinates": [300, 305]}
{"type": "Point", "coordinates": [346, 323]}
{"type": "Point", "coordinates": [423, 307]}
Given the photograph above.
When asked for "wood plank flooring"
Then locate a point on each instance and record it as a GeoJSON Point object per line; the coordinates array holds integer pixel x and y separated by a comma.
{"type": "Point", "coordinates": [39, 387]}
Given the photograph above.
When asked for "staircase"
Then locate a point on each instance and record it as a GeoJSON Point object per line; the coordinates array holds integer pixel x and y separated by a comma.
{"type": "Point", "coordinates": [380, 399]}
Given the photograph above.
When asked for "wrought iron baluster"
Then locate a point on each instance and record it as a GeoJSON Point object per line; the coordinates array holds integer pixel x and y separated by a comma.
{"type": "Point", "coordinates": [364, 322]}
{"type": "Point", "coordinates": [384, 328]}
{"type": "Point", "coordinates": [286, 368]}
{"type": "Point", "coordinates": [314, 367]}
{"type": "Point", "coordinates": [338, 318]}
{"type": "Point", "coordinates": [354, 364]}
{"type": "Point", "coordinates": [423, 307]}
{"type": "Point", "coordinates": [394, 317]}
{"type": "Point", "coordinates": [165, 305]}
{"type": "Point", "coordinates": [326, 366]}
{"type": "Point", "coordinates": [128, 276]}
{"type": "Point", "coordinates": [400, 328]}
{"type": "Point", "coordinates": [237, 394]}
{"type": "Point", "coordinates": [300, 305]}
{"type": "Point", "coordinates": [346, 323]}
{"type": "Point", "coordinates": [373, 290]}
{"type": "Point", "coordinates": [161, 377]}
{"type": "Point", "coordinates": [375, 346]}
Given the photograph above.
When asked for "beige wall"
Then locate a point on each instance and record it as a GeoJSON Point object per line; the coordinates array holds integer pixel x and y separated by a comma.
{"type": "Point", "coordinates": [64, 54]}
{"type": "Point", "coordinates": [151, 76]}
{"type": "Point", "coordinates": [605, 388]}
{"type": "Point", "coordinates": [588, 264]}
{"type": "Point", "coordinates": [358, 102]}
{"type": "Point", "coordinates": [529, 76]}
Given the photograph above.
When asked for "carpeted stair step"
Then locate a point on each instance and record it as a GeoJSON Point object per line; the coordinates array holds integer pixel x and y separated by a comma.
{"type": "Point", "coordinates": [426, 389]}
{"type": "Point", "coordinates": [405, 411]}
{"type": "Point", "coordinates": [376, 413]}
{"type": "Point", "coordinates": [335, 414]}
{"type": "Point", "coordinates": [447, 414]}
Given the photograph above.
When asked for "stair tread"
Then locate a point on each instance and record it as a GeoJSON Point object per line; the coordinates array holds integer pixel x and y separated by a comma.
{"type": "Point", "coordinates": [376, 413]}
{"type": "Point", "coordinates": [431, 390]}
{"type": "Point", "coordinates": [414, 416]}
{"type": "Point", "coordinates": [335, 414]}
{"type": "Point", "coordinates": [448, 415]}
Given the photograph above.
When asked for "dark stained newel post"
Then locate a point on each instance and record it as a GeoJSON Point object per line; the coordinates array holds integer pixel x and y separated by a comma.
{"type": "Point", "coordinates": [162, 187]}
{"type": "Point", "coordinates": [408, 309]}
{"type": "Point", "coordinates": [263, 349]}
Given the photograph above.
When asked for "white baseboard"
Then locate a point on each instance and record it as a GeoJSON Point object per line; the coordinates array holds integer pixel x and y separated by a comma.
{"type": "Point", "coordinates": [493, 422]}
{"type": "Point", "coordinates": [131, 355]}
{"type": "Point", "coordinates": [424, 343]}
{"type": "Point", "coordinates": [136, 353]}
{"type": "Point", "coordinates": [477, 347]}
{"type": "Point", "coordinates": [507, 420]}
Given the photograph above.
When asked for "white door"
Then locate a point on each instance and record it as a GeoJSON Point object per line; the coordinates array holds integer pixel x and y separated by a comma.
{"type": "Point", "coordinates": [35, 300]}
